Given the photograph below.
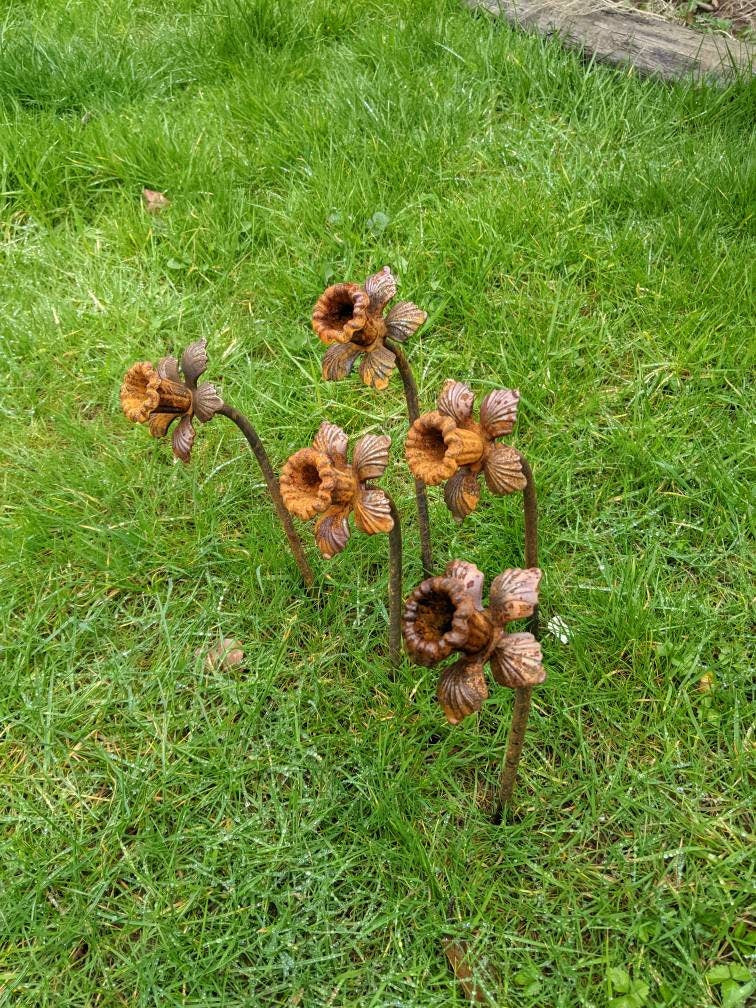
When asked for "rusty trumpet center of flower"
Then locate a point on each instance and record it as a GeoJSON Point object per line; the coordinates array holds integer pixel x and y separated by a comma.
{"type": "Point", "coordinates": [436, 619]}
{"type": "Point", "coordinates": [429, 448]}
{"type": "Point", "coordinates": [307, 482]}
{"type": "Point", "coordinates": [432, 443]}
{"type": "Point", "coordinates": [371, 334]}
{"type": "Point", "coordinates": [308, 479]}
{"type": "Point", "coordinates": [469, 445]}
{"type": "Point", "coordinates": [144, 393]}
{"type": "Point", "coordinates": [435, 616]}
{"type": "Point", "coordinates": [340, 312]}
{"type": "Point", "coordinates": [340, 308]}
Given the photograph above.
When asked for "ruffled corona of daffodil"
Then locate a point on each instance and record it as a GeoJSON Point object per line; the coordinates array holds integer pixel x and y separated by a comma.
{"type": "Point", "coordinates": [157, 395]}
{"type": "Point", "coordinates": [349, 319]}
{"type": "Point", "coordinates": [449, 446]}
{"type": "Point", "coordinates": [445, 614]}
{"type": "Point", "coordinates": [320, 481]}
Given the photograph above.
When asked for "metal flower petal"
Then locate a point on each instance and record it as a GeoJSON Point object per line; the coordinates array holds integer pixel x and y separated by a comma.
{"type": "Point", "coordinates": [194, 361]}
{"type": "Point", "coordinates": [498, 411]}
{"type": "Point", "coordinates": [461, 690]}
{"type": "Point", "coordinates": [380, 287]}
{"type": "Point", "coordinates": [517, 661]}
{"type": "Point", "coordinates": [456, 400]}
{"type": "Point", "coordinates": [376, 367]}
{"type": "Point", "coordinates": [160, 422]}
{"type": "Point", "coordinates": [403, 320]}
{"type": "Point", "coordinates": [503, 470]}
{"type": "Point", "coordinates": [332, 531]}
{"type": "Point", "coordinates": [462, 493]}
{"type": "Point", "coordinates": [371, 455]}
{"type": "Point", "coordinates": [372, 512]}
{"type": "Point", "coordinates": [167, 367]}
{"type": "Point", "coordinates": [470, 577]}
{"type": "Point", "coordinates": [514, 594]}
{"type": "Point", "coordinates": [183, 439]}
{"type": "Point", "coordinates": [339, 359]}
{"type": "Point", "coordinates": [207, 402]}
{"type": "Point", "coordinates": [332, 440]}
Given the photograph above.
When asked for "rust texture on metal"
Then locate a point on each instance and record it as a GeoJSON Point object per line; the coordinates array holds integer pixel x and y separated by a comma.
{"type": "Point", "coordinates": [421, 498]}
{"type": "Point", "coordinates": [523, 694]}
{"type": "Point", "coordinates": [395, 587]}
{"type": "Point", "coordinates": [320, 482]}
{"type": "Point", "coordinates": [449, 446]}
{"type": "Point", "coordinates": [349, 318]}
{"type": "Point", "coordinates": [445, 615]}
{"type": "Point", "coordinates": [515, 743]}
{"type": "Point", "coordinates": [159, 394]}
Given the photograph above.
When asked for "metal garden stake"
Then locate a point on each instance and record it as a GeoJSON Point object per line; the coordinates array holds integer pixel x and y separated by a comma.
{"type": "Point", "coordinates": [449, 446]}
{"type": "Point", "coordinates": [166, 392]}
{"type": "Point", "coordinates": [321, 481]}
{"type": "Point", "coordinates": [349, 318]}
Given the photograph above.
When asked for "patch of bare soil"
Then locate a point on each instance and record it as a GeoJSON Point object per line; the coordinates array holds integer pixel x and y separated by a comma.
{"type": "Point", "coordinates": [727, 17]}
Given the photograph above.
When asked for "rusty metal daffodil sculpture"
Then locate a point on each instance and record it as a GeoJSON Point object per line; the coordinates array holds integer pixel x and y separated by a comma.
{"type": "Point", "coordinates": [319, 482]}
{"type": "Point", "coordinates": [159, 394]}
{"type": "Point", "coordinates": [449, 446]}
{"type": "Point", "coordinates": [351, 320]}
{"type": "Point", "coordinates": [445, 615]}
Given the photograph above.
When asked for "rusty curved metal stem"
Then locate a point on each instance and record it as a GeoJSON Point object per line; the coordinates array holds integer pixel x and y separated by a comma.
{"type": "Point", "coordinates": [395, 587]}
{"type": "Point", "coordinates": [515, 743]}
{"type": "Point", "coordinates": [413, 412]}
{"type": "Point", "coordinates": [523, 695]}
{"type": "Point", "coordinates": [269, 476]}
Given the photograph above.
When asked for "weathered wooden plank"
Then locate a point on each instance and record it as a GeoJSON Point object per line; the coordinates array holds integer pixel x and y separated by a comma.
{"type": "Point", "coordinates": [616, 35]}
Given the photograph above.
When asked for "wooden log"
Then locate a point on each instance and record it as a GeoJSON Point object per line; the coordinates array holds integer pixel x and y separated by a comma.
{"type": "Point", "coordinates": [620, 36]}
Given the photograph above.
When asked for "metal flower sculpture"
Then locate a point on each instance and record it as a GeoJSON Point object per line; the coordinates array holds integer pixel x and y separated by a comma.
{"type": "Point", "coordinates": [321, 481]}
{"type": "Point", "coordinates": [349, 318]}
{"type": "Point", "coordinates": [157, 395]}
{"type": "Point", "coordinates": [449, 446]}
{"type": "Point", "coordinates": [444, 615]}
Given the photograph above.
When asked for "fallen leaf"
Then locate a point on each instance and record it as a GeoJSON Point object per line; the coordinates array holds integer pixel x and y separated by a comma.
{"type": "Point", "coordinates": [154, 201]}
{"type": "Point", "coordinates": [706, 682]}
{"type": "Point", "coordinates": [223, 656]}
{"type": "Point", "coordinates": [458, 954]}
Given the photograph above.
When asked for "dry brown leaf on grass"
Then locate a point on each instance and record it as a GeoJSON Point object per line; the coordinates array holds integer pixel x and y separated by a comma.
{"type": "Point", "coordinates": [154, 201]}
{"type": "Point", "coordinates": [225, 655]}
{"type": "Point", "coordinates": [470, 980]}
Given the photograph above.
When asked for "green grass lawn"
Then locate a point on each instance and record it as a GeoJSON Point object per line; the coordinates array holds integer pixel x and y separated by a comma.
{"type": "Point", "coordinates": [293, 833]}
